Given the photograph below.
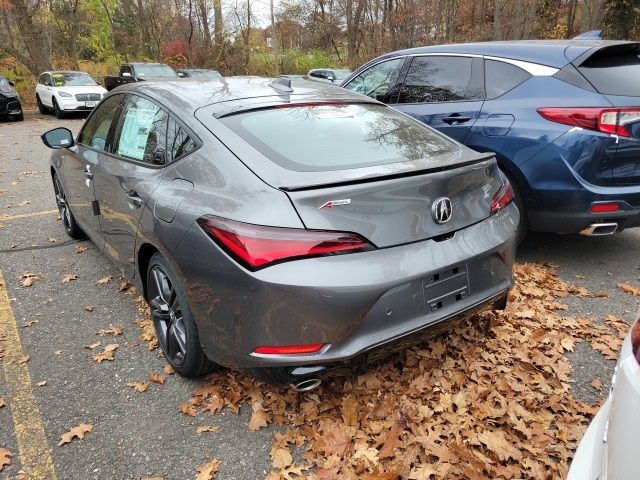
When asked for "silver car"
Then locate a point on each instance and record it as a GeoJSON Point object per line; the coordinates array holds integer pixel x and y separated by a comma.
{"type": "Point", "coordinates": [286, 227]}
{"type": "Point", "coordinates": [609, 448]}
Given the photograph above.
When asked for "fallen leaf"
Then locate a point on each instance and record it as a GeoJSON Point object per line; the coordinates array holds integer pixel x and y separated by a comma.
{"type": "Point", "coordinates": [81, 248]}
{"type": "Point", "coordinates": [567, 343]}
{"type": "Point", "coordinates": [5, 458]}
{"type": "Point", "coordinates": [23, 359]}
{"type": "Point", "coordinates": [53, 240]}
{"type": "Point", "coordinates": [259, 419]}
{"type": "Point", "coordinates": [42, 383]}
{"type": "Point", "coordinates": [208, 470]}
{"type": "Point", "coordinates": [78, 431]}
{"type": "Point", "coordinates": [29, 279]}
{"type": "Point", "coordinates": [57, 352]}
{"type": "Point", "coordinates": [106, 354]}
{"type": "Point", "coordinates": [2, 402]}
{"type": "Point", "coordinates": [88, 308]}
{"type": "Point", "coordinates": [139, 386]}
{"type": "Point", "coordinates": [600, 294]}
{"type": "Point", "coordinates": [281, 458]}
{"type": "Point", "coordinates": [188, 409]}
{"type": "Point", "coordinates": [104, 280]}
{"type": "Point", "coordinates": [125, 286]}
{"type": "Point", "coordinates": [115, 331]}
{"type": "Point", "coordinates": [630, 289]}
{"type": "Point", "coordinates": [92, 345]}
{"type": "Point", "coordinates": [168, 369]}
{"type": "Point", "coordinates": [29, 323]}
{"type": "Point", "coordinates": [207, 428]}
{"type": "Point", "coordinates": [154, 377]}
{"type": "Point", "coordinates": [597, 384]}
{"type": "Point", "coordinates": [69, 278]}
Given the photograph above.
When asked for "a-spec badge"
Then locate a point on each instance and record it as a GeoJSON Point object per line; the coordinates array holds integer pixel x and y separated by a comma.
{"type": "Point", "coordinates": [441, 210]}
{"type": "Point", "coordinates": [335, 203]}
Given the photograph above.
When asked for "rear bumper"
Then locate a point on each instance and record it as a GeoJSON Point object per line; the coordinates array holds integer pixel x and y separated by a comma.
{"type": "Point", "coordinates": [352, 303]}
{"type": "Point", "coordinates": [575, 222]}
{"type": "Point", "coordinates": [73, 105]}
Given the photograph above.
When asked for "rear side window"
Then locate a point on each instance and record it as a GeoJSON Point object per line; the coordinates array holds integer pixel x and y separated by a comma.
{"type": "Point", "coordinates": [439, 79]}
{"type": "Point", "coordinates": [500, 77]}
{"type": "Point", "coordinates": [95, 133]}
{"type": "Point", "coordinates": [337, 136]}
{"type": "Point", "coordinates": [179, 143]}
{"type": "Point", "coordinates": [614, 70]}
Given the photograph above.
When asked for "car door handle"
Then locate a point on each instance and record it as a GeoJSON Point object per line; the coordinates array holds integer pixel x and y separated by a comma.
{"type": "Point", "coordinates": [134, 198]}
{"type": "Point", "coordinates": [456, 118]}
{"type": "Point", "coordinates": [87, 173]}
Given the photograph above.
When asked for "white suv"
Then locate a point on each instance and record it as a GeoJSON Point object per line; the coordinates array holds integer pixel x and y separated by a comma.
{"type": "Point", "coordinates": [61, 92]}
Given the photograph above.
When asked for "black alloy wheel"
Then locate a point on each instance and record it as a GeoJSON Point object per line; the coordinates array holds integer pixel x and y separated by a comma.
{"type": "Point", "coordinates": [177, 332]}
{"type": "Point", "coordinates": [41, 108]}
{"type": "Point", "coordinates": [68, 220]}
{"type": "Point", "coordinates": [56, 110]}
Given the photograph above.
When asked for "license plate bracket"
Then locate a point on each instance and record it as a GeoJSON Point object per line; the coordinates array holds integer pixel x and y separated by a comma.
{"type": "Point", "coordinates": [446, 287]}
{"type": "Point", "coordinates": [89, 104]}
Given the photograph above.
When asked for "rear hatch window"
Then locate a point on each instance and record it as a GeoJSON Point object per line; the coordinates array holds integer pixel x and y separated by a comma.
{"type": "Point", "coordinates": [329, 137]}
{"type": "Point", "coordinates": [614, 70]}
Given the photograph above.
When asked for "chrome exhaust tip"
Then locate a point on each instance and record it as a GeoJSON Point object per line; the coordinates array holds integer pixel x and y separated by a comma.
{"type": "Point", "coordinates": [306, 385]}
{"type": "Point", "coordinates": [600, 229]}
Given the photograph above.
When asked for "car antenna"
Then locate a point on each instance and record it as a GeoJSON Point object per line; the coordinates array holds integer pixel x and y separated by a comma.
{"type": "Point", "coordinates": [591, 35]}
{"type": "Point", "coordinates": [281, 83]}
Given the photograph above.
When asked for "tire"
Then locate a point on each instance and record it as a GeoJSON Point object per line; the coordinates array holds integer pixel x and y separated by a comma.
{"type": "Point", "coordinates": [523, 225]}
{"type": "Point", "coordinates": [176, 330]}
{"type": "Point", "coordinates": [68, 220]}
{"type": "Point", "coordinates": [41, 108]}
{"type": "Point", "coordinates": [18, 118]}
{"type": "Point", "coordinates": [57, 111]}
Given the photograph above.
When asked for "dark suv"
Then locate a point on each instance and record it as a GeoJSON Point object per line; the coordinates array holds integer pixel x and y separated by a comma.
{"type": "Point", "coordinates": [9, 101]}
{"type": "Point", "coordinates": [563, 118]}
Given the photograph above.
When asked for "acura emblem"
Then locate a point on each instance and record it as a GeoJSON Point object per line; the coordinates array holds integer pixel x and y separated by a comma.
{"type": "Point", "coordinates": [441, 210]}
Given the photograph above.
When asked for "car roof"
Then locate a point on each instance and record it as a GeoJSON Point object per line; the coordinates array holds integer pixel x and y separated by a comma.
{"type": "Point", "coordinates": [65, 71]}
{"type": "Point", "coordinates": [554, 53]}
{"type": "Point", "coordinates": [226, 95]}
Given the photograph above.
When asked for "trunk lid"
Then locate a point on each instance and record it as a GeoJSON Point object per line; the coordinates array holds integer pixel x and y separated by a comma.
{"type": "Point", "coordinates": [395, 210]}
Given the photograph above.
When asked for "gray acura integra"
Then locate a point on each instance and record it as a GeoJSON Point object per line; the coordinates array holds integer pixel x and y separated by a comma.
{"type": "Point", "coordinates": [285, 226]}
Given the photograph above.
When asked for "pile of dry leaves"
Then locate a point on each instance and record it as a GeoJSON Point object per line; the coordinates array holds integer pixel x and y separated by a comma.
{"type": "Point", "coordinates": [472, 404]}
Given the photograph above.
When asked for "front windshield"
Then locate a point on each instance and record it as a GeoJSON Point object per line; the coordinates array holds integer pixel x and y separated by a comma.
{"type": "Point", "coordinates": [204, 74]}
{"type": "Point", "coordinates": [72, 79]}
{"type": "Point", "coordinates": [153, 71]}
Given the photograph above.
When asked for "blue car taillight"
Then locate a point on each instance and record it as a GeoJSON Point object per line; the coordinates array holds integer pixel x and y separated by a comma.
{"type": "Point", "coordinates": [605, 120]}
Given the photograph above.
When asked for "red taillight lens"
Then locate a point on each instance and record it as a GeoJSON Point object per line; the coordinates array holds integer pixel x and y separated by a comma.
{"type": "Point", "coordinates": [502, 197]}
{"type": "Point", "coordinates": [289, 349]}
{"type": "Point", "coordinates": [605, 208]}
{"type": "Point", "coordinates": [257, 246]}
{"type": "Point", "coordinates": [605, 120]}
{"type": "Point", "coordinates": [635, 340]}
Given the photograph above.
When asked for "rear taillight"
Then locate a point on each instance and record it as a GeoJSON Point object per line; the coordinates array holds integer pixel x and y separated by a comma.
{"type": "Point", "coordinates": [289, 349]}
{"type": "Point", "coordinates": [607, 207]}
{"type": "Point", "coordinates": [635, 340]}
{"type": "Point", "coordinates": [503, 197]}
{"type": "Point", "coordinates": [605, 120]}
{"type": "Point", "coordinates": [257, 246]}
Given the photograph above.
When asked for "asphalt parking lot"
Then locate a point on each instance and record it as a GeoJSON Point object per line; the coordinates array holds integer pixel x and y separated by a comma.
{"type": "Point", "coordinates": [143, 434]}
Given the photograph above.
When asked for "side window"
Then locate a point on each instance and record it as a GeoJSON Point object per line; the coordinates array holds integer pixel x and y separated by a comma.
{"type": "Point", "coordinates": [42, 79]}
{"type": "Point", "coordinates": [95, 133]}
{"type": "Point", "coordinates": [142, 131]}
{"type": "Point", "coordinates": [378, 81]}
{"type": "Point", "coordinates": [432, 79]}
{"type": "Point", "coordinates": [500, 77]}
{"type": "Point", "coordinates": [316, 74]}
{"type": "Point", "coordinates": [179, 143]}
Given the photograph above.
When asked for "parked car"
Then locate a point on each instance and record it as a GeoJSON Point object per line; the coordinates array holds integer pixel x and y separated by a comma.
{"type": "Point", "coordinates": [609, 447]}
{"type": "Point", "coordinates": [563, 118]}
{"type": "Point", "coordinates": [328, 75]}
{"type": "Point", "coordinates": [138, 72]}
{"type": "Point", "coordinates": [285, 226]}
{"type": "Point", "coordinates": [63, 92]}
{"type": "Point", "coordinates": [201, 73]}
{"type": "Point", "coordinates": [10, 105]}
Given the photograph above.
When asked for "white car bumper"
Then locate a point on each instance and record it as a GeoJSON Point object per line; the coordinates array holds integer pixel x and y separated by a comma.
{"type": "Point", "coordinates": [69, 104]}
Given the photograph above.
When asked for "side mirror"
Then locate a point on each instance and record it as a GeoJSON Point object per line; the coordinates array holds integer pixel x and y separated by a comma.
{"type": "Point", "coordinates": [331, 77]}
{"type": "Point", "coordinates": [126, 74]}
{"type": "Point", "coordinates": [12, 83]}
{"type": "Point", "coordinates": [58, 138]}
